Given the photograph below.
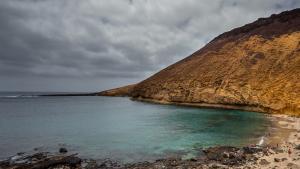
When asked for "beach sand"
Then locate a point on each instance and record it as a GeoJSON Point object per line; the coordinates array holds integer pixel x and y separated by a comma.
{"type": "Point", "coordinates": [286, 137]}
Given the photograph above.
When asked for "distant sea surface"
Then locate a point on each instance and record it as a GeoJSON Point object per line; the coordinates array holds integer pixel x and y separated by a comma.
{"type": "Point", "coordinates": [118, 128]}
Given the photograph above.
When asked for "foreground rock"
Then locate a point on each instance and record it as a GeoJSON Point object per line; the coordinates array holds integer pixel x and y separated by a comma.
{"type": "Point", "coordinates": [254, 67]}
{"type": "Point", "coordinates": [41, 161]}
{"type": "Point", "coordinates": [216, 157]}
{"type": "Point", "coordinates": [221, 157]}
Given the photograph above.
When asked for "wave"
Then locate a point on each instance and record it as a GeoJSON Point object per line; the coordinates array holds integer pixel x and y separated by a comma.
{"type": "Point", "coordinates": [261, 141]}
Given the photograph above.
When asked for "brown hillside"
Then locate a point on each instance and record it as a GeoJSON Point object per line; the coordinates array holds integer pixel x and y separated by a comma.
{"type": "Point", "coordinates": [254, 67]}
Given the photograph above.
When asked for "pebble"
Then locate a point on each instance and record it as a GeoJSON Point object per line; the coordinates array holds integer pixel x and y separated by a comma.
{"type": "Point", "coordinates": [276, 159]}
{"type": "Point", "coordinates": [264, 162]}
{"type": "Point", "coordinates": [283, 159]}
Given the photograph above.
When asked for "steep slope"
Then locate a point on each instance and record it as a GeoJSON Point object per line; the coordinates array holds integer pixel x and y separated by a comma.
{"type": "Point", "coordinates": [121, 91]}
{"type": "Point", "coordinates": [254, 67]}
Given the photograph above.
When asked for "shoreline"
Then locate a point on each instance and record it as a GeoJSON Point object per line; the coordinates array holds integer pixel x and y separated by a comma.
{"type": "Point", "coordinates": [283, 135]}
{"type": "Point", "coordinates": [253, 108]}
{"type": "Point", "coordinates": [207, 105]}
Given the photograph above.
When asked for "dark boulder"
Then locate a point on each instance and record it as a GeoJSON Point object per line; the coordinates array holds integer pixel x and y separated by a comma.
{"type": "Point", "coordinates": [63, 150]}
{"type": "Point", "coordinates": [252, 150]}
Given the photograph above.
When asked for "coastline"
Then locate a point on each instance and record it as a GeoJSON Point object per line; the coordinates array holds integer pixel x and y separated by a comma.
{"type": "Point", "coordinates": [284, 134]}
{"type": "Point", "coordinates": [253, 108]}
{"type": "Point", "coordinates": [258, 109]}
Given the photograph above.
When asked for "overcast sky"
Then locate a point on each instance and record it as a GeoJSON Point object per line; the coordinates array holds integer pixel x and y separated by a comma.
{"type": "Point", "coordinates": [91, 45]}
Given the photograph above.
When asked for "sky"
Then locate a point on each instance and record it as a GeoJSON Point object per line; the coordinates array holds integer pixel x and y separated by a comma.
{"type": "Point", "coordinates": [92, 45]}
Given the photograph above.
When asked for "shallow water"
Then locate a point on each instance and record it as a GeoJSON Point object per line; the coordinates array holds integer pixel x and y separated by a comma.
{"type": "Point", "coordinates": [118, 128]}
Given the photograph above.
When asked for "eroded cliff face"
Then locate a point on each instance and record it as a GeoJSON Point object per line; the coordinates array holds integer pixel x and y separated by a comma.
{"type": "Point", "coordinates": [254, 67]}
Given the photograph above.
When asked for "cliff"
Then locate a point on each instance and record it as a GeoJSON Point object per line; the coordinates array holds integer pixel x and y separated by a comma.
{"type": "Point", "coordinates": [254, 67]}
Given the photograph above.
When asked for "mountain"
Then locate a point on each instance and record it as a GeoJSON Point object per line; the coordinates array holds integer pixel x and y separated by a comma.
{"type": "Point", "coordinates": [254, 67]}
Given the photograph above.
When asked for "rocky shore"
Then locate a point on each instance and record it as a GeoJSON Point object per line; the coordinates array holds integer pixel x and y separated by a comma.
{"type": "Point", "coordinates": [215, 157]}
{"type": "Point", "coordinates": [280, 150]}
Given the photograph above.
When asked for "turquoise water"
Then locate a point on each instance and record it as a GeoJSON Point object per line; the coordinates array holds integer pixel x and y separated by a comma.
{"type": "Point", "coordinates": [118, 128]}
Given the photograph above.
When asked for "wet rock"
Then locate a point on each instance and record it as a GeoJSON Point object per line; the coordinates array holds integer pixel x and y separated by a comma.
{"type": "Point", "coordinates": [107, 163]}
{"type": "Point", "coordinates": [297, 147]}
{"type": "Point", "coordinates": [226, 155]}
{"type": "Point", "coordinates": [70, 161]}
{"type": "Point", "coordinates": [264, 162]}
{"type": "Point", "coordinates": [20, 153]}
{"type": "Point", "coordinates": [252, 150]}
{"type": "Point", "coordinates": [41, 161]}
{"type": "Point", "coordinates": [63, 150]}
{"type": "Point", "coordinates": [73, 161]}
{"type": "Point", "coordinates": [216, 153]}
{"type": "Point", "coordinates": [39, 156]}
{"type": "Point", "coordinates": [159, 160]}
{"type": "Point", "coordinates": [193, 159]}
{"type": "Point", "coordinates": [90, 164]}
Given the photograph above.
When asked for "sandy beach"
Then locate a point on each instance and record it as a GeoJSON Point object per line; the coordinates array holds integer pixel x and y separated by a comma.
{"type": "Point", "coordinates": [286, 138]}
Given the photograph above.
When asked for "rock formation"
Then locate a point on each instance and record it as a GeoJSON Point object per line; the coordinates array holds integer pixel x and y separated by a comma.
{"type": "Point", "coordinates": [254, 67]}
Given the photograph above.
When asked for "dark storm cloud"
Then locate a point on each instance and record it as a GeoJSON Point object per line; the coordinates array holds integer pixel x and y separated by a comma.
{"type": "Point", "coordinates": [114, 39]}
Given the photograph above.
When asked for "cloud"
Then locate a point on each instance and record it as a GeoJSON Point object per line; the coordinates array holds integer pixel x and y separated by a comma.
{"type": "Point", "coordinates": [114, 39]}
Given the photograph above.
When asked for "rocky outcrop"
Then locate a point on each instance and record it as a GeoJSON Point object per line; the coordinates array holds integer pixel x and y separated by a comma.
{"type": "Point", "coordinates": [255, 67]}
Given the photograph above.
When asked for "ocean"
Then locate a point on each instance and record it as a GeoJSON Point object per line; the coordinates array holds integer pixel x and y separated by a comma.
{"type": "Point", "coordinates": [119, 128]}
